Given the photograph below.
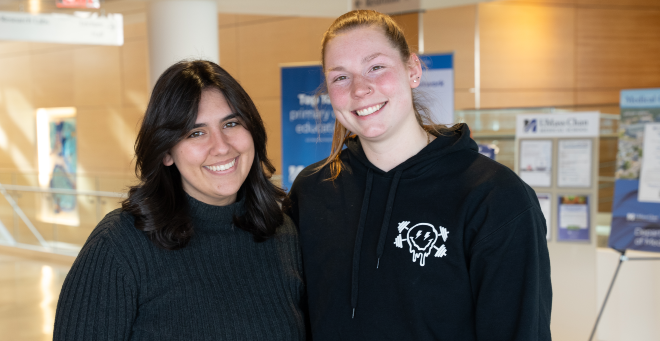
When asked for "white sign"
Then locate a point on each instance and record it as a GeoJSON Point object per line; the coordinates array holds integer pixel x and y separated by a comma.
{"type": "Point", "coordinates": [575, 124]}
{"type": "Point", "coordinates": [82, 28]}
{"type": "Point", "coordinates": [536, 162]}
{"type": "Point", "coordinates": [388, 6]}
{"type": "Point", "coordinates": [649, 178]}
{"type": "Point", "coordinates": [574, 163]}
{"type": "Point", "coordinates": [438, 88]}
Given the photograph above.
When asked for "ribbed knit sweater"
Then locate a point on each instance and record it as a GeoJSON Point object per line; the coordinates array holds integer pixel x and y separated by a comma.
{"type": "Point", "coordinates": [221, 286]}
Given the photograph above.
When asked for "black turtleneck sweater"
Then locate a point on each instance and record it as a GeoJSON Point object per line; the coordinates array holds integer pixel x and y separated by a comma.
{"type": "Point", "coordinates": [221, 286]}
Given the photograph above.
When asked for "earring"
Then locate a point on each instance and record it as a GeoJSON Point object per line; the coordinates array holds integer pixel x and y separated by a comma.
{"type": "Point", "coordinates": [415, 81]}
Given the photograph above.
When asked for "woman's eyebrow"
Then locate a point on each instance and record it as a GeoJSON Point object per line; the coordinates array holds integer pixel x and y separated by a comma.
{"type": "Point", "coordinates": [226, 118]}
{"type": "Point", "coordinates": [229, 117]}
{"type": "Point", "coordinates": [370, 57]}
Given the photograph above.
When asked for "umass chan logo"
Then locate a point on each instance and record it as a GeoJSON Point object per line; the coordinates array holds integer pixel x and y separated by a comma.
{"type": "Point", "coordinates": [530, 125]}
{"type": "Point", "coordinates": [422, 240]}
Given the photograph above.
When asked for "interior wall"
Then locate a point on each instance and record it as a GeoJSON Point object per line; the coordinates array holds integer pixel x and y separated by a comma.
{"type": "Point", "coordinates": [253, 47]}
{"type": "Point", "coordinates": [562, 53]}
{"type": "Point", "coordinates": [106, 84]}
{"type": "Point", "coordinates": [559, 53]}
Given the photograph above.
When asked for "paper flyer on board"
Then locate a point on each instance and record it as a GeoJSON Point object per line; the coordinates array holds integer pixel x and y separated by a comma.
{"type": "Point", "coordinates": [536, 162]}
{"type": "Point", "coordinates": [649, 177]}
{"type": "Point", "coordinates": [573, 218]}
{"type": "Point", "coordinates": [574, 163]}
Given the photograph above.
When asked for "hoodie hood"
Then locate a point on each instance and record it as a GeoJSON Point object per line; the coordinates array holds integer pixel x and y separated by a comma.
{"type": "Point", "coordinates": [445, 144]}
{"type": "Point", "coordinates": [419, 163]}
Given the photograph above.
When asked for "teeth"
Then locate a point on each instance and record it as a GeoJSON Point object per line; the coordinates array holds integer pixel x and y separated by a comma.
{"type": "Point", "coordinates": [221, 167]}
{"type": "Point", "coordinates": [369, 110]}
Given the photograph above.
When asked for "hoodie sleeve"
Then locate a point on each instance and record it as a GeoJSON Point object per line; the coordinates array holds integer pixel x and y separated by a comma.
{"type": "Point", "coordinates": [510, 278]}
{"type": "Point", "coordinates": [98, 300]}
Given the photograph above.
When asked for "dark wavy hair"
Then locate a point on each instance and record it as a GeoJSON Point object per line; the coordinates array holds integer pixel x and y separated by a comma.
{"type": "Point", "coordinates": [159, 203]}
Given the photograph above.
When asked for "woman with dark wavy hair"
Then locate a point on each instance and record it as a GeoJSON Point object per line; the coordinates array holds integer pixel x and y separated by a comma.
{"type": "Point", "coordinates": [200, 249]}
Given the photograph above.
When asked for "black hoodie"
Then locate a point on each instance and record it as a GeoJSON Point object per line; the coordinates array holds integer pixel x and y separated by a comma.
{"type": "Point", "coordinates": [448, 245]}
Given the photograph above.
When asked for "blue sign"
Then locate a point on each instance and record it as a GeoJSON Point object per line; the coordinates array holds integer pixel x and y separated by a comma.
{"type": "Point", "coordinates": [307, 120]}
{"type": "Point", "coordinates": [635, 224]}
{"type": "Point", "coordinates": [437, 86]}
{"type": "Point", "coordinates": [487, 151]}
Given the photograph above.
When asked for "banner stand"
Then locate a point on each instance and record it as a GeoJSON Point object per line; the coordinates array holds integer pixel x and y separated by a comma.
{"type": "Point", "coordinates": [622, 259]}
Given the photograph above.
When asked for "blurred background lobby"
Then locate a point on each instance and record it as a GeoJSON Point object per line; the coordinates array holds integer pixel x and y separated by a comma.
{"type": "Point", "coordinates": [510, 57]}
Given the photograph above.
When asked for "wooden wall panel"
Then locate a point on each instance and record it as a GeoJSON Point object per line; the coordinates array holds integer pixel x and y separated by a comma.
{"type": "Point", "coordinates": [97, 79]}
{"type": "Point", "coordinates": [620, 3]}
{"type": "Point", "coordinates": [18, 113]}
{"type": "Point", "coordinates": [452, 30]}
{"type": "Point", "coordinates": [52, 78]}
{"type": "Point", "coordinates": [526, 98]}
{"type": "Point", "coordinates": [526, 46]}
{"type": "Point", "coordinates": [409, 23]}
{"type": "Point", "coordinates": [254, 55]}
{"type": "Point", "coordinates": [106, 151]}
{"type": "Point", "coordinates": [263, 49]}
{"type": "Point", "coordinates": [135, 88]}
{"type": "Point", "coordinates": [229, 46]}
{"type": "Point", "coordinates": [597, 96]}
{"type": "Point", "coordinates": [463, 99]}
{"type": "Point", "coordinates": [12, 47]}
{"type": "Point", "coordinates": [270, 110]}
{"type": "Point", "coordinates": [618, 48]}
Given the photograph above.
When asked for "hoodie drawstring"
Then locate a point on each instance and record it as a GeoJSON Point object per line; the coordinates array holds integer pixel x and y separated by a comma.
{"type": "Point", "coordinates": [360, 231]}
{"type": "Point", "coordinates": [386, 218]}
{"type": "Point", "coordinates": [358, 241]}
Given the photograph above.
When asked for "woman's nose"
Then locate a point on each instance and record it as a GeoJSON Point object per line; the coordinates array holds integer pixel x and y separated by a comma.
{"type": "Point", "coordinates": [219, 144]}
{"type": "Point", "coordinates": [361, 87]}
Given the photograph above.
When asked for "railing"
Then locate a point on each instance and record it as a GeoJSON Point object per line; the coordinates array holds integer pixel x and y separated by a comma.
{"type": "Point", "coordinates": [29, 217]}
{"type": "Point", "coordinates": [32, 216]}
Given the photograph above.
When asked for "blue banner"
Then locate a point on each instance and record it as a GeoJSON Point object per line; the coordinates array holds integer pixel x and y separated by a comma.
{"type": "Point", "coordinates": [437, 85]}
{"type": "Point", "coordinates": [635, 223]}
{"type": "Point", "coordinates": [307, 120]}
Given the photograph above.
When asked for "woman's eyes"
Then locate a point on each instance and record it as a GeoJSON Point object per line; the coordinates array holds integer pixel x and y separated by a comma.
{"type": "Point", "coordinates": [196, 134]}
{"type": "Point", "coordinates": [231, 124]}
{"type": "Point", "coordinates": [373, 68]}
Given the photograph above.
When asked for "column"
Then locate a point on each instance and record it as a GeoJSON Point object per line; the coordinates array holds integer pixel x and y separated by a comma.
{"type": "Point", "coordinates": [181, 29]}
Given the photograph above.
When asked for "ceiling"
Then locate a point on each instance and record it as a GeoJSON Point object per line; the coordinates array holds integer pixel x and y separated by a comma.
{"type": "Point", "coordinates": [134, 10]}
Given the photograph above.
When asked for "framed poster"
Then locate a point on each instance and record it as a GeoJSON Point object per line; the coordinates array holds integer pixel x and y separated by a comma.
{"type": "Point", "coordinates": [573, 219]}
{"type": "Point", "coordinates": [58, 159]}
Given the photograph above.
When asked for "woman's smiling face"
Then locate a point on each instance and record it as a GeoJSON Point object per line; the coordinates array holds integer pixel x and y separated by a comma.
{"type": "Point", "coordinates": [369, 85]}
{"type": "Point", "coordinates": [215, 157]}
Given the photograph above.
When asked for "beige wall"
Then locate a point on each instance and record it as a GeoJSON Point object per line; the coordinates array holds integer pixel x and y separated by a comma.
{"type": "Point", "coordinates": [569, 53]}
{"type": "Point", "coordinates": [252, 49]}
{"type": "Point", "coordinates": [107, 85]}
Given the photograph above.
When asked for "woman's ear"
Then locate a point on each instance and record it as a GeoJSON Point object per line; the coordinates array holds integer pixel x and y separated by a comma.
{"type": "Point", "coordinates": [414, 71]}
{"type": "Point", "coordinates": [168, 160]}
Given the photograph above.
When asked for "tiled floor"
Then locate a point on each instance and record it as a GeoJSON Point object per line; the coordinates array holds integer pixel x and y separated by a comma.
{"type": "Point", "coordinates": [28, 297]}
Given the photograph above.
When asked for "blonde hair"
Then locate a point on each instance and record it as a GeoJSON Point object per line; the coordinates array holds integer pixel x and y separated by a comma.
{"type": "Point", "coordinates": [394, 33]}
